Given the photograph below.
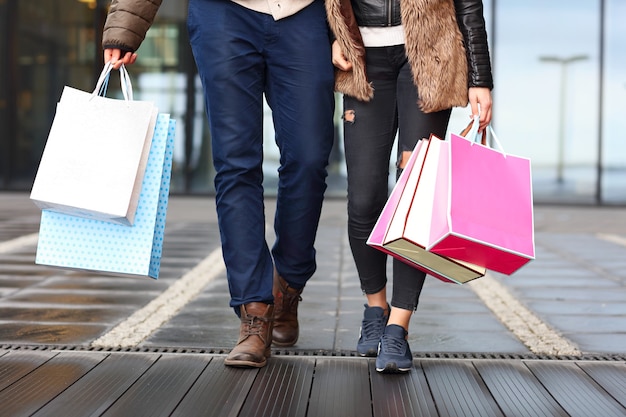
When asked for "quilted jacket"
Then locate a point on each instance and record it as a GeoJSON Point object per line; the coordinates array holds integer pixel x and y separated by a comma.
{"type": "Point", "coordinates": [127, 23]}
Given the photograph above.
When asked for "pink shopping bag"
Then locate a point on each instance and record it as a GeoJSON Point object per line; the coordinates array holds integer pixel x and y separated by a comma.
{"type": "Point", "coordinates": [483, 211]}
{"type": "Point", "coordinates": [403, 227]}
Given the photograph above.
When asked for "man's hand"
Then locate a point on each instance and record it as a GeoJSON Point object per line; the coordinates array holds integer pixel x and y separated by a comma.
{"type": "Point", "coordinates": [116, 58]}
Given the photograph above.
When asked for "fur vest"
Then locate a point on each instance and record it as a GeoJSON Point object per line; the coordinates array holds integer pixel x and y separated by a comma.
{"type": "Point", "coordinates": [434, 48]}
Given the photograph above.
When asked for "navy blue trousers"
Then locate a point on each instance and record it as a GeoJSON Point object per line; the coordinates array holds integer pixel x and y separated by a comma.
{"type": "Point", "coordinates": [241, 56]}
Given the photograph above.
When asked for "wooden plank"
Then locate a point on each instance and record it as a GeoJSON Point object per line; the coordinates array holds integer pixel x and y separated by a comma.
{"type": "Point", "coordinates": [281, 389]}
{"type": "Point", "coordinates": [101, 387]}
{"type": "Point", "coordinates": [341, 388]}
{"type": "Point", "coordinates": [611, 376]}
{"type": "Point", "coordinates": [33, 391]}
{"type": "Point", "coordinates": [401, 395]}
{"type": "Point", "coordinates": [159, 390]}
{"type": "Point", "coordinates": [458, 389]}
{"type": "Point", "coordinates": [219, 391]}
{"type": "Point", "coordinates": [15, 364]}
{"type": "Point", "coordinates": [576, 391]}
{"type": "Point", "coordinates": [516, 390]}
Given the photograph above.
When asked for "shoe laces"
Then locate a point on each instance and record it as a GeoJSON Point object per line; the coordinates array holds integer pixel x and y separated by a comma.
{"type": "Point", "coordinates": [393, 345]}
{"type": "Point", "coordinates": [371, 329]}
{"type": "Point", "coordinates": [253, 325]}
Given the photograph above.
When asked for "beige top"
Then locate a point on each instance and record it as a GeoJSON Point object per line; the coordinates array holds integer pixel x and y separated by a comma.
{"type": "Point", "coordinates": [279, 9]}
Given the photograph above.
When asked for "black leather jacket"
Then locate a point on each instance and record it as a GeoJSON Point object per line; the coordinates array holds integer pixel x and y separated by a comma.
{"type": "Point", "coordinates": [377, 12]}
{"type": "Point", "coordinates": [469, 14]}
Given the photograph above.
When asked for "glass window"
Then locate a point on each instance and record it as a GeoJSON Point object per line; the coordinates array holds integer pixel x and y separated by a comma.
{"type": "Point", "coordinates": [559, 95]}
{"type": "Point", "coordinates": [613, 157]}
{"type": "Point", "coordinates": [546, 92]}
{"type": "Point", "coordinates": [49, 44]}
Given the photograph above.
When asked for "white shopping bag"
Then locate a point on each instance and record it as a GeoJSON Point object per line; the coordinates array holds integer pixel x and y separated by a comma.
{"type": "Point", "coordinates": [96, 153]}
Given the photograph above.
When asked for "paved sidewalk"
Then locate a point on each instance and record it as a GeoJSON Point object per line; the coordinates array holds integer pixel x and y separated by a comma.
{"type": "Point", "coordinates": [570, 299]}
{"type": "Point", "coordinates": [547, 341]}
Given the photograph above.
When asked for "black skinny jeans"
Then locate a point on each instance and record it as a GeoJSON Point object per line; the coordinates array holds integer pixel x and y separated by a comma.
{"type": "Point", "coordinates": [369, 132]}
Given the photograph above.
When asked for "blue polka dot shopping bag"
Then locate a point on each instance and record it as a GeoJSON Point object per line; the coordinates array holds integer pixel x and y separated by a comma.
{"type": "Point", "coordinates": [77, 242]}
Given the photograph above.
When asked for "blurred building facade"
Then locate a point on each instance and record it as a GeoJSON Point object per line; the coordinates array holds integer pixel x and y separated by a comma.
{"type": "Point", "coordinates": [560, 95]}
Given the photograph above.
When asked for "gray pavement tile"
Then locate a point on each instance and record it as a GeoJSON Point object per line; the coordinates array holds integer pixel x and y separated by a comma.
{"type": "Point", "coordinates": [29, 270]}
{"type": "Point", "coordinates": [470, 342]}
{"type": "Point", "coordinates": [453, 323]}
{"type": "Point", "coordinates": [4, 292]}
{"type": "Point", "coordinates": [613, 343]}
{"type": "Point", "coordinates": [103, 284]}
{"type": "Point", "coordinates": [41, 333]}
{"type": "Point", "coordinates": [572, 294]}
{"type": "Point", "coordinates": [317, 335]}
{"type": "Point", "coordinates": [206, 337]}
{"type": "Point", "coordinates": [576, 285]}
{"type": "Point", "coordinates": [435, 289]}
{"type": "Point", "coordinates": [600, 308]}
{"type": "Point", "coordinates": [17, 259]}
{"type": "Point", "coordinates": [563, 279]}
{"type": "Point", "coordinates": [64, 315]}
{"type": "Point", "coordinates": [82, 297]}
{"type": "Point", "coordinates": [15, 282]}
{"type": "Point", "coordinates": [571, 323]}
{"type": "Point", "coordinates": [456, 308]}
{"type": "Point", "coordinates": [203, 316]}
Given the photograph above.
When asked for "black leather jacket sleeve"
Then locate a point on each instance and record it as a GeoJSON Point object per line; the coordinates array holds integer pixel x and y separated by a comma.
{"type": "Point", "coordinates": [469, 14]}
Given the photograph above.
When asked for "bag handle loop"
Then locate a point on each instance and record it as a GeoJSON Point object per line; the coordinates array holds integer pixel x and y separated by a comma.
{"type": "Point", "coordinates": [103, 82]}
{"type": "Point", "coordinates": [495, 140]}
{"type": "Point", "coordinates": [471, 133]}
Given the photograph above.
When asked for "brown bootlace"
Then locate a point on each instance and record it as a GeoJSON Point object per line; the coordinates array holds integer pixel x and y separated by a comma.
{"type": "Point", "coordinates": [253, 325]}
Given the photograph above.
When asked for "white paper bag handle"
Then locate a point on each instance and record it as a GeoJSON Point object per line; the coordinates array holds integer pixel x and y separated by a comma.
{"type": "Point", "coordinates": [473, 136]}
{"type": "Point", "coordinates": [103, 81]}
{"type": "Point", "coordinates": [127, 87]}
{"type": "Point", "coordinates": [471, 132]}
{"type": "Point", "coordinates": [495, 139]}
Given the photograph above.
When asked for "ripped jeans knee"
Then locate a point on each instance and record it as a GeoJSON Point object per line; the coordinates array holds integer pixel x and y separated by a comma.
{"type": "Point", "coordinates": [349, 116]}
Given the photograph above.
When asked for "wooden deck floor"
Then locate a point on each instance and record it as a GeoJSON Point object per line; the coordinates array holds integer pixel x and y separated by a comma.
{"type": "Point", "coordinates": [97, 383]}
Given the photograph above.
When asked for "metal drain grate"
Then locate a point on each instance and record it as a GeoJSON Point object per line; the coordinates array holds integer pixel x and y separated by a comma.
{"type": "Point", "coordinates": [319, 353]}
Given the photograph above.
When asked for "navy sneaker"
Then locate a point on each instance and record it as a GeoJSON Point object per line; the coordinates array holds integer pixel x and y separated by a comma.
{"type": "Point", "coordinates": [372, 327]}
{"type": "Point", "coordinates": [394, 354]}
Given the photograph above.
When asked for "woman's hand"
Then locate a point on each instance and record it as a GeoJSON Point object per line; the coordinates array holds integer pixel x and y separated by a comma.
{"type": "Point", "coordinates": [480, 102]}
{"type": "Point", "coordinates": [339, 60]}
{"type": "Point", "coordinates": [116, 58]}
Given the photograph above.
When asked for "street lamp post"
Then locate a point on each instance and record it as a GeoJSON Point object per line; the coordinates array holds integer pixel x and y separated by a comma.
{"type": "Point", "coordinates": [564, 62]}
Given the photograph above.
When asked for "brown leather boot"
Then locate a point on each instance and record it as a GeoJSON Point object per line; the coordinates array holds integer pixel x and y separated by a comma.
{"type": "Point", "coordinates": [255, 336]}
{"type": "Point", "coordinates": [286, 300]}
